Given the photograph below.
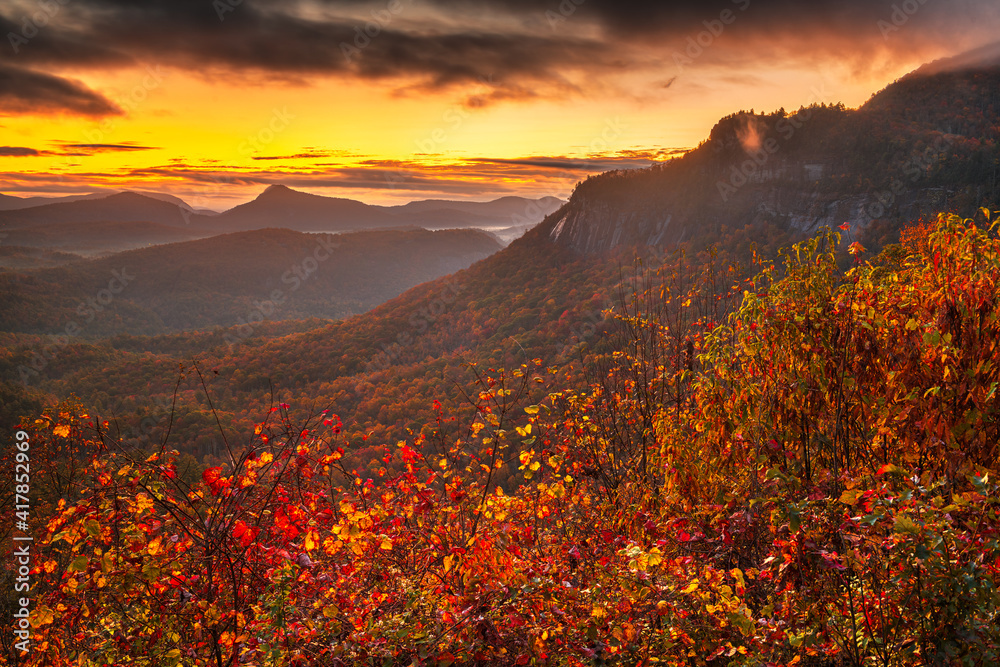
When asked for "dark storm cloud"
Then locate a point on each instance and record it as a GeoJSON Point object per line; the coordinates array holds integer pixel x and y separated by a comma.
{"type": "Point", "coordinates": [517, 49]}
{"type": "Point", "coordinates": [28, 91]}
{"type": "Point", "coordinates": [106, 148]}
{"type": "Point", "coordinates": [18, 151]}
{"type": "Point", "coordinates": [567, 164]}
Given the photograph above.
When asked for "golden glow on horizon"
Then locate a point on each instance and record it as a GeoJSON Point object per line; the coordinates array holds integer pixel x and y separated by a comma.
{"type": "Point", "coordinates": [217, 122]}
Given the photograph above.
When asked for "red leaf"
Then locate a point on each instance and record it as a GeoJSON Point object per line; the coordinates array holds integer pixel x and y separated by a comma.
{"type": "Point", "coordinates": [238, 529]}
{"type": "Point", "coordinates": [211, 475]}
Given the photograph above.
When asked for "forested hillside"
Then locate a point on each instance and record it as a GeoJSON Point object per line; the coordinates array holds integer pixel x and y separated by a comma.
{"type": "Point", "coordinates": [927, 143]}
{"type": "Point", "coordinates": [233, 279]}
{"type": "Point", "coordinates": [809, 480]}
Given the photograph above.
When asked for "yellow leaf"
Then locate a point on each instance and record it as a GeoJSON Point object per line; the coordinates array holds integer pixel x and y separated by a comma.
{"type": "Point", "coordinates": [62, 431]}
{"type": "Point", "coordinates": [690, 588]}
{"type": "Point", "coordinates": [42, 616]}
{"type": "Point", "coordinates": [310, 541]}
{"type": "Point", "coordinates": [211, 616]}
{"type": "Point", "coordinates": [142, 503]}
{"type": "Point", "coordinates": [386, 544]}
{"type": "Point", "coordinates": [598, 613]}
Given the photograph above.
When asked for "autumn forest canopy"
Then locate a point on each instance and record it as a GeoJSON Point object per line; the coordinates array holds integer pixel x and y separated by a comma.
{"type": "Point", "coordinates": [793, 468]}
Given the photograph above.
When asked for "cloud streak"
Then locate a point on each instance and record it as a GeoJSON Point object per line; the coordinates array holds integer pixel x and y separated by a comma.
{"type": "Point", "coordinates": [24, 91]}
{"type": "Point", "coordinates": [372, 180]}
{"type": "Point", "coordinates": [529, 49]}
{"type": "Point", "coordinates": [18, 151]}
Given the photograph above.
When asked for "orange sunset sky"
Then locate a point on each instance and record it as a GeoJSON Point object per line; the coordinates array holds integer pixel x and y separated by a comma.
{"type": "Point", "coordinates": [394, 100]}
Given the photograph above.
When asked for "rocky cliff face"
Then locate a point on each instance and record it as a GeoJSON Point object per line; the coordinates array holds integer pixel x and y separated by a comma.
{"type": "Point", "coordinates": [592, 226]}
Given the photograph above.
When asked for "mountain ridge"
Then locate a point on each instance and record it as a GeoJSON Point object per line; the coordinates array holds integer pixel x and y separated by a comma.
{"type": "Point", "coordinates": [927, 143]}
{"type": "Point", "coordinates": [278, 206]}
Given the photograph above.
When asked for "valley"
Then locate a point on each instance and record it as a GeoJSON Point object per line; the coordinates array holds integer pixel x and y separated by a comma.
{"type": "Point", "coordinates": [734, 407]}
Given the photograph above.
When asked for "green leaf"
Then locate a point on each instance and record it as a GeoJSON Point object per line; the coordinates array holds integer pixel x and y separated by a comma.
{"type": "Point", "coordinates": [794, 519]}
{"type": "Point", "coordinates": [742, 622]}
{"type": "Point", "coordinates": [904, 524]}
{"type": "Point", "coordinates": [79, 564]}
{"type": "Point", "coordinates": [850, 497]}
{"type": "Point", "coordinates": [775, 473]}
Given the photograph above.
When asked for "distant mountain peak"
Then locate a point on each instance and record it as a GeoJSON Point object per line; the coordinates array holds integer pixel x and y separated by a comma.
{"type": "Point", "coordinates": [277, 188]}
{"type": "Point", "coordinates": [282, 194]}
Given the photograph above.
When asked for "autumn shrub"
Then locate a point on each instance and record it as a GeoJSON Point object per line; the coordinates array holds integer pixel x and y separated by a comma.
{"type": "Point", "coordinates": [804, 477]}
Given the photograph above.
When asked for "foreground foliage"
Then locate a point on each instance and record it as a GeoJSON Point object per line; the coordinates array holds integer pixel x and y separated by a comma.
{"type": "Point", "coordinates": [807, 480]}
